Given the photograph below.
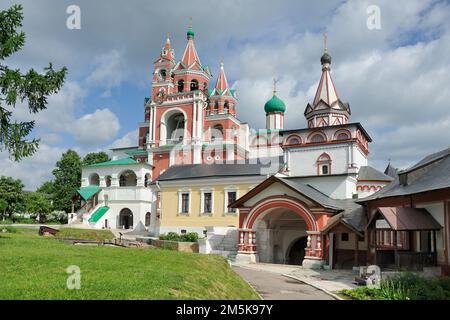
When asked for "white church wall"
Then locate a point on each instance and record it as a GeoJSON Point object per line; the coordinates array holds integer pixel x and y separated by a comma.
{"type": "Point", "coordinates": [337, 187]}
{"type": "Point", "coordinates": [303, 161]}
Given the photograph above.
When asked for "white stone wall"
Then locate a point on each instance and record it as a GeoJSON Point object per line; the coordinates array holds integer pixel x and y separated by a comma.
{"type": "Point", "coordinates": [337, 187]}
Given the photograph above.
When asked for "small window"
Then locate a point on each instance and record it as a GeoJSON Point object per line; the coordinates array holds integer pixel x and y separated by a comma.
{"type": "Point", "coordinates": [216, 108]}
{"type": "Point", "coordinates": [226, 107]}
{"type": "Point", "coordinates": [325, 169]}
{"type": "Point", "coordinates": [344, 236]}
{"type": "Point", "coordinates": [317, 138]}
{"type": "Point", "coordinates": [180, 86]}
{"type": "Point", "coordinates": [231, 198]}
{"type": "Point", "coordinates": [185, 203]}
{"type": "Point", "coordinates": [207, 202]}
{"type": "Point", "coordinates": [147, 219]}
{"type": "Point", "coordinates": [194, 85]}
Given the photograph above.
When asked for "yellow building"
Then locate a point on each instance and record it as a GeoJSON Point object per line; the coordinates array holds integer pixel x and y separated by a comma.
{"type": "Point", "coordinates": [195, 198]}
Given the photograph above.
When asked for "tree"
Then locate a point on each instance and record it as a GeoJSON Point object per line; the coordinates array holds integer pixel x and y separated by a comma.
{"type": "Point", "coordinates": [67, 180]}
{"type": "Point", "coordinates": [48, 188]}
{"type": "Point", "coordinates": [11, 193]}
{"type": "Point", "coordinates": [38, 204]}
{"type": "Point", "coordinates": [3, 207]}
{"type": "Point", "coordinates": [95, 157]}
{"type": "Point", "coordinates": [31, 87]}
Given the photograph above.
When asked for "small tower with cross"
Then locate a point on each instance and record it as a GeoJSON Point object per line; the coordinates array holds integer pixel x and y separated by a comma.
{"type": "Point", "coordinates": [275, 109]}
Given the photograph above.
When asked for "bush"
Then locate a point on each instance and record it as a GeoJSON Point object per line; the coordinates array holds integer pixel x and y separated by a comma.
{"type": "Point", "coordinates": [173, 236]}
{"type": "Point", "coordinates": [407, 286]}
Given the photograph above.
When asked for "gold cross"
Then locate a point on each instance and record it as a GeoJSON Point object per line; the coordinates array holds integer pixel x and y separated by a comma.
{"type": "Point", "coordinates": [325, 38]}
{"type": "Point", "coordinates": [190, 22]}
{"type": "Point", "coordinates": [275, 81]}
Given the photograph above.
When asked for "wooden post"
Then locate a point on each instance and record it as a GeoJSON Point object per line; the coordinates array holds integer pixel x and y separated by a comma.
{"type": "Point", "coordinates": [396, 260]}
{"type": "Point", "coordinates": [356, 250]}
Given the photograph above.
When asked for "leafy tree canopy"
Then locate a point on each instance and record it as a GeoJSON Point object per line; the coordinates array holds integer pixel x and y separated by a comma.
{"type": "Point", "coordinates": [32, 88]}
{"type": "Point", "coordinates": [37, 203]}
{"type": "Point", "coordinates": [95, 157]}
{"type": "Point", "coordinates": [67, 180]}
{"type": "Point", "coordinates": [11, 193]}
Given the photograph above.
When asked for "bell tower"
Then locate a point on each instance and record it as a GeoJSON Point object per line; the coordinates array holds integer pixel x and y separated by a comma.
{"type": "Point", "coordinates": [326, 109]}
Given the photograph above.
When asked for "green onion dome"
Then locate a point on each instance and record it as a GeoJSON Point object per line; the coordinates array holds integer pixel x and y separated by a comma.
{"type": "Point", "coordinates": [190, 33]}
{"type": "Point", "coordinates": [275, 105]}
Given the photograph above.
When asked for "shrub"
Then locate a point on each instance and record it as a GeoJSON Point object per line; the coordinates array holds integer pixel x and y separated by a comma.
{"type": "Point", "coordinates": [407, 286]}
{"type": "Point", "coordinates": [173, 236]}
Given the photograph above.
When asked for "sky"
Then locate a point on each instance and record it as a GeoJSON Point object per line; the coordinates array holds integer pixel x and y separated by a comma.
{"type": "Point", "coordinates": [395, 77]}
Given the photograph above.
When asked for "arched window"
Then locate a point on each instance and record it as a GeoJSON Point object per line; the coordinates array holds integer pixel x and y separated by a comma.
{"type": "Point", "coordinates": [180, 85]}
{"type": "Point", "coordinates": [217, 132]}
{"type": "Point", "coordinates": [216, 107]}
{"type": "Point", "coordinates": [94, 179]}
{"type": "Point", "coordinates": [294, 140]}
{"type": "Point", "coordinates": [108, 181]}
{"type": "Point", "coordinates": [194, 85]}
{"type": "Point", "coordinates": [147, 219]}
{"type": "Point", "coordinates": [163, 74]}
{"type": "Point", "coordinates": [208, 110]}
{"type": "Point", "coordinates": [128, 179]}
{"type": "Point", "coordinates": [342, 135]}
{"type": "Point", "coordinates": [226, 107]}
{"type": "Point", "coordinates": [324, 164]}
{"type": "Point", "coordinates": [317, 138]}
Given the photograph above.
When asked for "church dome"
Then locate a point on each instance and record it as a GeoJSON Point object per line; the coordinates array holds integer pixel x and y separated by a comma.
{"type": "Point", "coordinates": [275, 105]}
{"type": "Point", "coordinates": [190, 33]}
{"type": "Point", "coordinates": [326, 58]}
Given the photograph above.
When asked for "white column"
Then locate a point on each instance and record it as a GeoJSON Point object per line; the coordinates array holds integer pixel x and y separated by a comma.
{"type": "Point", "coordinates": [330, 250]}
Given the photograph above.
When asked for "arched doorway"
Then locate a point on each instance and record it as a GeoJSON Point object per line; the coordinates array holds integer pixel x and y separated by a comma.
{"type": "Point", "coordinates": [125, 219]}
{"type": "Point", "coordinates": [276, 229]}
{"type": "Point", "coordinates": [276, 223]}
{"type": "Point", "coordinates": [296, 252]}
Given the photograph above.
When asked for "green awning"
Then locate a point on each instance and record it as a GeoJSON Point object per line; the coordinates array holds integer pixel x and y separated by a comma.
{"type": "Point", "coordinates": [88, 192]}
{"type": "Point", "coordinates": [98, 214]}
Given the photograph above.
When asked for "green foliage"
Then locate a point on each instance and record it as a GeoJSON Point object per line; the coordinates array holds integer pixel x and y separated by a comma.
{"type": "Point", "coordinates": [38, 204]}
{"type": "Point", "coordinates": [186, 237]}
{"type": "Point", "coordinates": [67, 180]}
{"type": "Point", "coordinates": [95, 157]}
{"type": "Point", "coordinates": [47, 188]}
{"type": "Point", "coordinates": [406, 286]}
{"type": "Point", "coordinates": [31, 87]}
{"type": "Point", "coordinates": [11, 194]}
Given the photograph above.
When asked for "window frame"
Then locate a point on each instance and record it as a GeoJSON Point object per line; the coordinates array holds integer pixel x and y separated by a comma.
{"type": "Point", "coordinates": [180, 202]}
{"type": "Point", "coordinates": [227, 210]}
{"type": "Point", "coordinates": [202, 201]}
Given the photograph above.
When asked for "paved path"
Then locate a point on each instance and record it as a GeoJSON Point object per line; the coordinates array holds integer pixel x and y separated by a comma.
{"type": "Point", "coordinates": [273, 286]}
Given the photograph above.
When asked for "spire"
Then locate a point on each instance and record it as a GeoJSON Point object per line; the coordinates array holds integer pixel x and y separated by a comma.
{"type": "Point", "coordinates": [326, 90]}
{"type": "Point", "coordinates": [167, 52]}
{"type": "Point", "coordinates": [190, 53]}
{"type": "Point", "coordinates": [222, 82]}
{"type": "Point", "coordinates": [167, 45]}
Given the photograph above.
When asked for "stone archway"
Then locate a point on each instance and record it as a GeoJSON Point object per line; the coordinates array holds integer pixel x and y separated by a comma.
{"type": "Point", "coordinates": [275, 223]}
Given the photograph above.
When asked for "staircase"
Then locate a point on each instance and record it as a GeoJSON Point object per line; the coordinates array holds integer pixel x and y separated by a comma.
{"type": "Point", "coordinates": [227, 245]}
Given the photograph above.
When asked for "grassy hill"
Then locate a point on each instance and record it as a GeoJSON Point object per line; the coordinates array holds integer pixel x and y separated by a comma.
{"type": "Point", "coordinates": [34, 267]}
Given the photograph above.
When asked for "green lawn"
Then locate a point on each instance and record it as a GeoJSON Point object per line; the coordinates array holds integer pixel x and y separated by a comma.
{"type": "Point", "coordinates": [86, 234]}
{"type": "Point", "coordinates": [34, 267]}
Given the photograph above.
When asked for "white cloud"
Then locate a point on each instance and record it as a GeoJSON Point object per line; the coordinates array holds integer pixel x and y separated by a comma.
{"type": "Point", "coordinates": [94, 128]}
{"type": "Point", "coordinates": [108, 73]}
{"type": "Point", "coordinates": [33, 170]}
{"type": "Point", "coordinates": [130, 139]}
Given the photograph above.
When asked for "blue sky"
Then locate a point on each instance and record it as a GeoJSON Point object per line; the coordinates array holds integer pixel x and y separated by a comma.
{"type": "Point", "coordinates": [394, 78]}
